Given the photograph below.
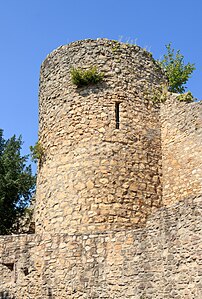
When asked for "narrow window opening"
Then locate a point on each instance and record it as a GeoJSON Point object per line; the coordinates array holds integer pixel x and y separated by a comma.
{"type": "Point", "coordinates": [117, 116]}
{"type": "Point", "coordinates": [50, 295]}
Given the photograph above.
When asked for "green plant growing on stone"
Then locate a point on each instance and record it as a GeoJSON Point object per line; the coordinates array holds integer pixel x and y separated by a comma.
{"type": "Point", "coordinates": [37, 152]}
{"type": "Point", "coordinates": [160, 94]}
{"type": "Point", "coordinates": [80, 77]}
{"type": "Point", "coordinates": [176, 70]}
{"type": "Point", "coordinates": [115, 47]}
{"type": "Point", "coordinates": [186, 97]}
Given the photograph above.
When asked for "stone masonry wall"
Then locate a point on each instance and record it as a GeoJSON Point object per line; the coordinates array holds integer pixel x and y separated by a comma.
{"type": "Point", "coordinates": [103, 228]}
{"type": "Point", "coordinates": [153, 262]}
{"type": "Point", "coordinates": [96, 177]}
{"type": "Point", "coordinates": [17, 278]}
{"type": "Point", "coordinates": [161, 260]}
{"type": "Point", "coordinates": [181, 149]}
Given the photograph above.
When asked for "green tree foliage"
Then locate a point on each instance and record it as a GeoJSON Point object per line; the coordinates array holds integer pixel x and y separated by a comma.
{"type": "Point", "coordinates": [16, 182]}
{"type": "Point", "coordinates": [176, 70]}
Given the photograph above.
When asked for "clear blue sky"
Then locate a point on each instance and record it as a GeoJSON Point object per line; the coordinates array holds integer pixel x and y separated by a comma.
{"type": "Point", "coordinates": [30, 29]}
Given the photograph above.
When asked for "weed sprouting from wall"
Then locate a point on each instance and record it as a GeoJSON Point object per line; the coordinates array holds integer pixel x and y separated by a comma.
{"type": "Point", "coordinates": [80, 77]}
{"type": "Point", "coordinates": [186, 97]}
{"type": "Point", "coordinates": [37, 152]}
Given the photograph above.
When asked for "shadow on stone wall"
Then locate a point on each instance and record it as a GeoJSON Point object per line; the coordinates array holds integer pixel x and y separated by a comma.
{"type": "Point", "coordinates": [6, 295]}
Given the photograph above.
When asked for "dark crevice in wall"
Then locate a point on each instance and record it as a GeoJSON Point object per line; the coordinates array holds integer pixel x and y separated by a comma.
{"type": "Point", "coordinates": [6, 295]}
{"type": "Point", "coordinates": [25, 271]}
{"type": "Point", "coordinates": [10, 266]}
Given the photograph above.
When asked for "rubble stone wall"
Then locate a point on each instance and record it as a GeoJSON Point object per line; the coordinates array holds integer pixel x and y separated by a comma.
{"type": "Point", "coordinates": [96, 177]}
{"type": "Point", "coordinates": [160, 260]}
{"type": "Point", "coordinates": [104, 227]}
{"type": "Point", "coordinates": [17, 278]}
{"type": "Point", "coordinates": [181, 149]}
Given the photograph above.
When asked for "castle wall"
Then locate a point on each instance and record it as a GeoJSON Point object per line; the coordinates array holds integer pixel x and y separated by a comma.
{"type": "Point", "coordinates": [103, 228]}
{"type": "Point", "coordinates": [160, 260]}
{"type": "Point", "coordinates": [181, 149]}
{"type": "Point", "coordinates": [17, 267]}
{"type": "Point", "coordinates": [96, 177]}
{"type": "Point", "coordinates": [153, 262]}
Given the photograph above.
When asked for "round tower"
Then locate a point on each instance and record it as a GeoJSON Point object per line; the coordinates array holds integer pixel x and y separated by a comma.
{"type": "Point", "coordinates": [101, 162]}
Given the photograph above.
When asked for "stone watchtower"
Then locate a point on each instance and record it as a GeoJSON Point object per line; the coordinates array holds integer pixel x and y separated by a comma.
{"type": "Point", "coordinates": [102, 150]}
{"type": "Point", "coordinates": [118, 205]}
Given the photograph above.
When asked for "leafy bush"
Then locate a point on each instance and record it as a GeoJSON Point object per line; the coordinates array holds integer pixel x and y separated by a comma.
{"type": "Point", "coordinates": [81, 77]}
{"type": "Point", "coordinates": [177, 71]}
{"type": "Point", "coordinates": [37, 152]}
{"type": "Point", "coordinates": [186, 97]}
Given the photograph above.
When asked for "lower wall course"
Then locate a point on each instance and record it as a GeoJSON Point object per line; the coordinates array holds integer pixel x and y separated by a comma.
{"type": "Point", "coordinates": [157, 261]}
